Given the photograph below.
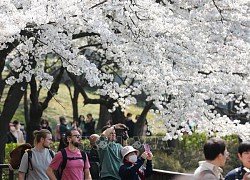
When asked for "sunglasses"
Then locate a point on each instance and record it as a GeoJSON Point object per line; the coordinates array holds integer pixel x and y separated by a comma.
{"type": "Point", "coordinates": [77, 135]}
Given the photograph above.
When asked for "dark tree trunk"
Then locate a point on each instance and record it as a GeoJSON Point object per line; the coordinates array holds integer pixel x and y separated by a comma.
{"type": "Point", "coordinates": [2, 82]}
{"type": "Point", "coordinates": [36, 107]}
{"type": "Point", "coordinates": [104, 116]}
{"type": "Point", "coordinates": [118, 116]}
{"type": "Point", "coordinates": [139, 125]}
{"type": "Point", "coordinates": [75, 102]}
{"type": "Point", "coordinates": [36, 111]}
{"type": "Point", "coordinates": [26, 107]}
{"type": "Point", "coordinates": [11, 103]}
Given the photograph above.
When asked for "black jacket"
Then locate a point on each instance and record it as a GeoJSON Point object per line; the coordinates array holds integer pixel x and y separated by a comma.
{"type": "Point", "coordinates": [129, 171]}
{"type": "Point", "coordinates": [236, 173]}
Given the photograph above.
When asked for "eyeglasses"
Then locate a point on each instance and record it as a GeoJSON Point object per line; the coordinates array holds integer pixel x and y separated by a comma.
{"type": "Point", "coordinates": [77, 135]}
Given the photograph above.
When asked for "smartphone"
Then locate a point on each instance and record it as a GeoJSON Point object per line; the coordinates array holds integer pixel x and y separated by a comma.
{"type": "Point", "coordinates": [147, 148]}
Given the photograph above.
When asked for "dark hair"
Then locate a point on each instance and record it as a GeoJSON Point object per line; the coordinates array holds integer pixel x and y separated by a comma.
{"type": "Point", "coordinates": [213, 147]}
{"type": "Point", "coordinates": [68, 134]}
{"type": "Point", "coordinates": [44, 121]}
{"type": "Point", "coordinates": [244, 147]}
{"type": "Point", "coordinates": [129, 114]}
{"type": "Point", "coordinates": [89, 114]}
{"type": "Point", "coordinates": [16, 122]}
{"type": "Point", "coordinates": [81, 116]}
{"type": "Point", "coordinates": [61, 119]}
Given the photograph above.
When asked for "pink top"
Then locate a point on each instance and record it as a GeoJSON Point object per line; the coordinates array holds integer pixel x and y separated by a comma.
{"type": "Point", "coordinates": [74, 168]}
{"type": "Point", "coordinates": [57, 135]}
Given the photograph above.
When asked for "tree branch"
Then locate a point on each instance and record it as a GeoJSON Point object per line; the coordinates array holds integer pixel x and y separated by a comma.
{"type": "Point", "coordinates": [98, 4]}
{"type": "Point", "coordinates": [53, 90]}
{"type": "Point", "coordinates": [87, 100]}
{"type": "Point", "coordinates": [219, 10]}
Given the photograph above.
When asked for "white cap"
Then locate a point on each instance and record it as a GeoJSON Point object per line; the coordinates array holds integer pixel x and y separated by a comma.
{"type": "Point", "coordinates": [128, 149]}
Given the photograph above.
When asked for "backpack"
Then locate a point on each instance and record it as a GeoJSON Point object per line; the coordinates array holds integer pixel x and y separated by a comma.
{"type": "Point", "coordinates": [30, 157]}
{"type": "Point", "coordinates": [64, 162]}
{"type": "Point", "coordinates": [94, 170]}
{"type": "Point", "coordinates": [17, 154]}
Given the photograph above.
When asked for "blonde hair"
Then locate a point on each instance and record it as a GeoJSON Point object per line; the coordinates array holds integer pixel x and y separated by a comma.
{"type": "Point", "coordinates": [38, 134]}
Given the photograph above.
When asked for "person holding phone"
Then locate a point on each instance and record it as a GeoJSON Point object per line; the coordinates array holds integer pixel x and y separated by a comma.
{"type": "Point", "coordinates": [242, 172]}
{"type": "Point", "coordinates": [133, 168]}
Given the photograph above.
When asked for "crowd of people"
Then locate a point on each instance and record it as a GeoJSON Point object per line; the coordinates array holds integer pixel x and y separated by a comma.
{"type": "Point", "coordinates": [117, 160]}
{"type": "Point", "coordinates": [70, 162]}
{"type": "Point", "coordinates": [85, 126]}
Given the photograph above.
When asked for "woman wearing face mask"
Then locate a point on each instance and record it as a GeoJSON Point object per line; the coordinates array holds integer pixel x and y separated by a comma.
{"type": "Point", "coordinates": [11, 138]}
{"type": "Point", "coordinates": [133, 168]}
{"type": "Point", "coordinates": [45, 125]}
{"type": "Point", "coordinates": [18, 133]}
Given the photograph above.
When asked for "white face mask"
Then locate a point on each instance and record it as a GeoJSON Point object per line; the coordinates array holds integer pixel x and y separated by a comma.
{"type": "Point", "coordinates": [132, 158]}
{"type": "Point", "coordinates": [44, 125]}
{"type": "Point", "coordinates": [12, 128]}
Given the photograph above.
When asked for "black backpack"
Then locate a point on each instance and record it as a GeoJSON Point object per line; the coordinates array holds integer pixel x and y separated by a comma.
{"type": "Point", "coordinates": [64, 162]}
{"type": "Point", "coordinates": [94, 170]}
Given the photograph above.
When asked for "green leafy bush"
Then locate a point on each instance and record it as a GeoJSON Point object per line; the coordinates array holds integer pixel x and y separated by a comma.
{"type": "Point", "coordinates": [8, 148]}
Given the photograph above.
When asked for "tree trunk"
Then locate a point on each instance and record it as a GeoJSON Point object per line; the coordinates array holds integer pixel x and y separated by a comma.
{"type": "Point", "coordinates": [75, 102]}
{"type": "Point", "coordinates": [2, 80]}
{"type": "Point", "coordinates": [118, 116]}
{"type": "Point", "coordinates": [139, 125]}
{"type": "Point", "coordinates": [36, 107]}
{"type": "Point", "coordinates": [26, 107]}
{"type": "Point", "coordinates": [11, 103]}
{"type": "Point", "coordinates": [35, 111]}
{"type": "Point", "coordinates": [104, 116]}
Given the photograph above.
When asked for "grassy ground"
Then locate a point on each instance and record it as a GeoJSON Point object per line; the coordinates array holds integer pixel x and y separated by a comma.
{"type": "Point", "coordinates": [61, 105]}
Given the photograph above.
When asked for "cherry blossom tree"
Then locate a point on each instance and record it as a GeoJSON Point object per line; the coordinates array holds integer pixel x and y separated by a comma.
{"type": "Point", "coordinates": [179, 53]}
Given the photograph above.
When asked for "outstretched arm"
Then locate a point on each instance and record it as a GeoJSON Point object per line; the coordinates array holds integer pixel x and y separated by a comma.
{"type": "Point", "coordinates": [107, 132]}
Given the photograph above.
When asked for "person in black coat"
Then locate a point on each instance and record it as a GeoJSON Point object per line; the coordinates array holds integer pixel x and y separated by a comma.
{"type": "Point", "coordinates": [10, 138]}
{"type": "Point", "coordinates": [45, 125]}
{"type": "Point", "coordinates": [130, 124]}
{"type": "Point", "coordinates": [244, 156]}
{"type": "Point", "coordinates": [89, 125]}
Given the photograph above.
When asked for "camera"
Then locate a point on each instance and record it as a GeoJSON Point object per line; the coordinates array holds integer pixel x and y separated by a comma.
{"type": "Point", "coordinates": [121, 134]}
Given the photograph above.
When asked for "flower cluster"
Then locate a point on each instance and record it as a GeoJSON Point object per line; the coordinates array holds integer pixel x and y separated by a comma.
{"type": "Point", "coordinates": [178, 54]}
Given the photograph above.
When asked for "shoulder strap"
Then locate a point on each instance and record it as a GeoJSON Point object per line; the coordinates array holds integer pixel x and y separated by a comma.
{"type": "Point", "coordinates": [29, 159]}
{"type": "Point", "coordinates": [83, 157]}
{"type": "Point", "coordinates": [64, 162]}
{"type": "Point", "coordinates": [51, 154]}
{"type": "Point", "coordinates": [29, 162]}
{"type": "Point", "coordinates": [65, 159]}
